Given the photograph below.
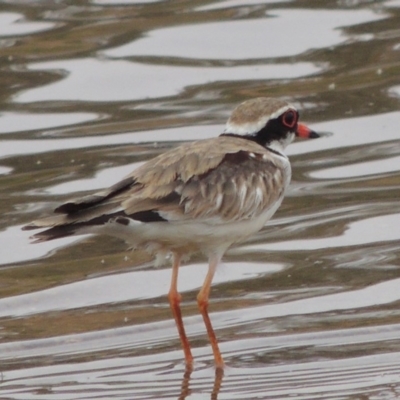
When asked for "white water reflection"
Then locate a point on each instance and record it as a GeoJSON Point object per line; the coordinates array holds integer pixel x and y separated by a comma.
{"type": "Point", "coordinates": [123, 2]}
{"type": "Point", "coordinates": [5, 170]}
{"type": "Point", "coordinates": [384, 228]}
{"type": "Point", "coordinates": [102, 179]}
{"type": "Point", "coordinates": [13, 24]}
{"type": "Point", "coordinates": [346, 134]}
{"type": "Point", "coordinates": [97, 80]}
{"type": "Point", "coordinates": [395, 90]}
{"type": "Point", "coordinates": [148, 334]}
{"type": "Point", "coordinates": [126, 287]}
{"type": "Point", "coordinates": [381, 166]}
{"type": "Point", "coordinates": [16, 245]}
{"type": "Point", "coordinates": [249, 39]}
{"type": "Point", "coordinates": [374, 295]}
{"type": "Point", "coordinates": [350, 132]}
{"type": "Point", "coordinates": [156, 376]}
{"type": "Point", "coordinates": [237, 3]}
{"type": "Point", "coordinates": [18, 122]}
{"type": "Point", "coordinates": [11, 148]}
{"type": "Point", "coordinates": [392, 3]}
{"type": "Point", "coordinates": [152, 377]}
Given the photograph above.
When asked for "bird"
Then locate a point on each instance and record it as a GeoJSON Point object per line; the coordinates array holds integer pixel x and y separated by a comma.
{"type": "Point", "coordinates": [200, 197]}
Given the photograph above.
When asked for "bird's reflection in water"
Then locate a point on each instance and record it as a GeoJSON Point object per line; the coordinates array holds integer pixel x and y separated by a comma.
{"type": "Point", "coordinates": [186, 391]}
{"type": "Point", "coordinates": [219, 374]}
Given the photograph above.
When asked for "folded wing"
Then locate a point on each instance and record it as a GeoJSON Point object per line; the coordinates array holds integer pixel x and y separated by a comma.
{"type": "Point", "coordinates": [194, 181]}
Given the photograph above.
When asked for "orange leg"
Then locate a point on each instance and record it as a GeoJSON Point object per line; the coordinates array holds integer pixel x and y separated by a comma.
{"type": "Point", "coordinates": [174, 300]}
{"type": "Point", "coordinates": [202, 301]}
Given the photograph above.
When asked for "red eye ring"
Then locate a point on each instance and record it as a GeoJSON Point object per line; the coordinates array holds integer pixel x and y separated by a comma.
{"type": "Point", "coordinates": [289, 118]}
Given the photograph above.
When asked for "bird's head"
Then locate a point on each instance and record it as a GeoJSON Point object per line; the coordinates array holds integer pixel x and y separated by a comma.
{"type": "Point", "coordinates": [270, 122]}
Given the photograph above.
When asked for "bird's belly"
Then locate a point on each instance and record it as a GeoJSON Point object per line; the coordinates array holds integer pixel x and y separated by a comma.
{"type": "Point", "coordinates": [189, 236]}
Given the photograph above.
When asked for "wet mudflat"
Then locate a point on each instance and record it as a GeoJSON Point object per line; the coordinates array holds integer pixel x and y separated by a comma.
{"type": "Point", "coordinates": [306, 309]}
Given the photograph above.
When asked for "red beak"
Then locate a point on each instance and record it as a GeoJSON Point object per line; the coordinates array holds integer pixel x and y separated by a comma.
{"type": "Point", "coordinates": [305, 132]}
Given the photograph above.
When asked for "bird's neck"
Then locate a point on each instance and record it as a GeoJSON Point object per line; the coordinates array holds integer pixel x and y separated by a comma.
{"type": "Point", "coordinates": [276, 146]}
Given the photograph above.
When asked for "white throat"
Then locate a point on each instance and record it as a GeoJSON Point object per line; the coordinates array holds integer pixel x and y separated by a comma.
{"type": "Point", "coordinates": [280, 145]}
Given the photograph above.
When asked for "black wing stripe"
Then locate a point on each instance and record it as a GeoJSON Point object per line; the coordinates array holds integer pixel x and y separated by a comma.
{"type": "Point", "coordinates": [84, 203]}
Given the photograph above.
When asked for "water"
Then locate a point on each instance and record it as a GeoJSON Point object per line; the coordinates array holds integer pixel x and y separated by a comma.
{"type": "Point", "coordinates": [306, 309]}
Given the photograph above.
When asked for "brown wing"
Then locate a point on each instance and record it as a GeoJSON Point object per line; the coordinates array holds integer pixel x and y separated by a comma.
{"type": "Point", "coordinates": [228, 178]}
{"type": "Point", "coordinates": [243, 186]}
{"type": "Point", "coordinates": [225, 178]}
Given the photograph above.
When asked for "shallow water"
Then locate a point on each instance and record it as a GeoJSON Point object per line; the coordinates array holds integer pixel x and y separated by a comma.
{"type": "Point", "coordinates": [306, 309]}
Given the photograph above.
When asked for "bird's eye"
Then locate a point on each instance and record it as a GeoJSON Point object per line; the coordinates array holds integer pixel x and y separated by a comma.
{"type": "Point", "coordinates": [289, 119]}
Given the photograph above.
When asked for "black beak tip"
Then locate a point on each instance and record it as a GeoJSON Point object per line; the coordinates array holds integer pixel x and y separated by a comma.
{"type": "Point", "coordinates": [314, 135]}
